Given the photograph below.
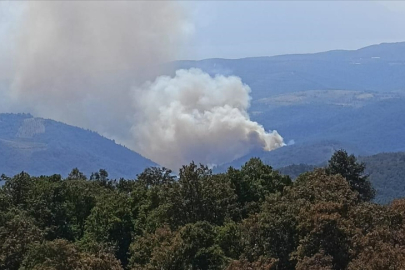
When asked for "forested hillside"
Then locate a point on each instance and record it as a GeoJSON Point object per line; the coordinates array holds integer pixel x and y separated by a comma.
{"type": "Point", "coordinates": [306, 153]}
{"type": "Point", "coordinates": [248, 218]}
{"type": "Point", "coordinates": [42, 146]}
{"type": "Point", "coordinates": [386, 171]}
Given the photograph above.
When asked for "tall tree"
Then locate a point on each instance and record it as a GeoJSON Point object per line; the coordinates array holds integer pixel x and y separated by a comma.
{"type": "Point", "coordinates": [17, 233]}
{"type": "Point", "coordinates": [110, 222]}
{"type": "Point", "coordinates": [17, 188]}
{"type": "Point", "coordinates": [253, 182]}
{"type": "Point", "coordinates": [75, 174]}
{"type": "Point", "coordinates": [347, 166]}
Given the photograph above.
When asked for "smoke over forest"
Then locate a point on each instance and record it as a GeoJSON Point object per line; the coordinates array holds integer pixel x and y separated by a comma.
{"type": "Point", "coordinates": [94, 65]}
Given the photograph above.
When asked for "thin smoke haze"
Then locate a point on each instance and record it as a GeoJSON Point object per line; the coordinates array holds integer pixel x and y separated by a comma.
{"type": "Point", "coordinates": [86, 63]}
{"type": "Point", "coordinates": [75, 61]}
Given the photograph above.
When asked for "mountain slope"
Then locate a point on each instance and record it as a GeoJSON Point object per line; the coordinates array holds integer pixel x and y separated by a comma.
{"type": "Point", "coordinates": [386, 170]}
{"type": "Point", "coordinates": [40, 146]}
{"type": "Point", "coordinates": [373, 128]}
{"type": "Point", "coordinates": [311, 154]}
{"type": "Point", "coordinates": [374, 68]}
{"type": "Point", "coordinates": [351, 99]}
{"type": "Point", "coordinates": [387, 174]}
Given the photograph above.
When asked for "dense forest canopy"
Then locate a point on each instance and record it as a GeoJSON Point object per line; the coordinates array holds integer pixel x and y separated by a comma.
{"type": "Point", "coordinates": [248, 218]}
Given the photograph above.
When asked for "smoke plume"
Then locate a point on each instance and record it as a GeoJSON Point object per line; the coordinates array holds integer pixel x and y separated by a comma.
{"type": "Point", "coordinates": [85, 63]}
{"type": "Point", "coordinates": [75, 61]}
{"type": "Point", "coordinates": [196, 117]}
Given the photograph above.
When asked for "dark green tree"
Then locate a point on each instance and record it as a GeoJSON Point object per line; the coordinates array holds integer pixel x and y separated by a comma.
{"type": "Point", "coordinates": [156, 176]}
{"type": "Point", "coordinates": [347, 166]}
{"type": "Point", "coordinates": [191, 247]}
{"type": "Point", "coordinates": [81, 198]}
{"type": "Point", "coordinates": [110, 223]}
{"type": "Point", "coordinates": [47, 203]}
{"type": "Point", "coordinates": [63, 255]}
{"type": "Point", "coordinates": [201, 196]}
{"type": "Point", "coordinates": [17, 188]}
{"type": "Point", "coordinates": [75, 174]}
{"type": "Point", "coordinates": [17, 232]}
{"type": "Point", "coordinates": [253, 182]}
{"type": "Point", "coordinates": [101, 178]}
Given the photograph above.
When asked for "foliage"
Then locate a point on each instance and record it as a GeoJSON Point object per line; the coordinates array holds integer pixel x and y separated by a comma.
{"type": "Point", "coordinates": [17, 232]}
{"type": "Point", "coordinates": [348, 167]}
{"type": "Point", "coordinates": [252, 218]}
{"type": "Point", "coordinates": [62, 255]}
{"type": "Point", "coordinates": [385, 172]}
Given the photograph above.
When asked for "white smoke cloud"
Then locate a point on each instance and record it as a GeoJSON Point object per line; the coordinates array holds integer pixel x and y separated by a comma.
{"type": "Point", "coordinates": [196, 117]}
{"type": "Point", "coordinates": [75, 61]}
{"type": "Point", "coordinates": [82, 62]}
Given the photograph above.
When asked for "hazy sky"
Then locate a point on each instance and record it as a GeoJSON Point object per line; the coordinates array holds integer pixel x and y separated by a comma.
{"type": "Point", "coordinates": [236, 29]}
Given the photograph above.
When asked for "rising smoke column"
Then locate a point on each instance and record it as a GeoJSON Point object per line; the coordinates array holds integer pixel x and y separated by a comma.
{"type": "Point", "coordinates": [75, 61]}
{"type": "Point", "coordinates": [193, 116]}
{"type": "Point", "coordinates": [82, 62]}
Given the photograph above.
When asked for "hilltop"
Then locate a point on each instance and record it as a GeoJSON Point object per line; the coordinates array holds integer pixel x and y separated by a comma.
{"type": "Point", "coordinates": [42, 146]}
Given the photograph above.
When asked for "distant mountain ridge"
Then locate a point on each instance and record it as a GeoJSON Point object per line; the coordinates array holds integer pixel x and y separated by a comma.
{"type": "Point", "coordinates": [351, 99]}
{"type": "Point", "coordinates": [42, 147]}
{"type": "Point", "coordinates": [310, 154]}
{"type": "Point", "coordinates": [374, 68]}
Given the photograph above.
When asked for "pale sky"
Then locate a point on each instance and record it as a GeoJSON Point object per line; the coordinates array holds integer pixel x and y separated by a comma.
{"type": "Point", "coordinates": [237, 29]}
